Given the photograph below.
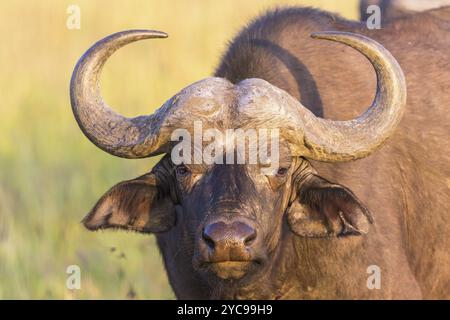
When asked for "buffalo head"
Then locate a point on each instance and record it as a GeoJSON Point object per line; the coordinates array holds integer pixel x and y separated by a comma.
{"type": "Point", "coordinates": [228, 219]}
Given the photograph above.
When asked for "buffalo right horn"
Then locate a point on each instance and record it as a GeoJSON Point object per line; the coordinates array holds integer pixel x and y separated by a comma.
{"type": "Point", "coordinates": [137, 137]}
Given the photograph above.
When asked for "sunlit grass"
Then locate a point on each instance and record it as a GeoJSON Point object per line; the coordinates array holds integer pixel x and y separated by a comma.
{"type": "Point", "coordinates": [51, 175]}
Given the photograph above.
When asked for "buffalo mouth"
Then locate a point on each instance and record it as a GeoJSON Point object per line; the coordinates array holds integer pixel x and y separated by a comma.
{"type": "Point", "coordinates": [230, 270]}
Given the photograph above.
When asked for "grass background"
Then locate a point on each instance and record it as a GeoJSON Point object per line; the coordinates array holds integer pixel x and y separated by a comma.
{"type": "Point", "coordinates": [51, 175]}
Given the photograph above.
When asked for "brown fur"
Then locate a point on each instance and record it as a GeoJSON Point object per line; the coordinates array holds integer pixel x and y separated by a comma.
{"type": "Point", "coordinates": [316, 239]}
{"type": "Point", "coordinates": [406, 184]}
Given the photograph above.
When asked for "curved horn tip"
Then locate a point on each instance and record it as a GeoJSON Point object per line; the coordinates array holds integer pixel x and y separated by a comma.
{"type": "Point", "coordinates": [320, 34]}
{"type": "Point", "coordinates": [153, 33]}
{"type": "Point", "coordinates": [139, 32]}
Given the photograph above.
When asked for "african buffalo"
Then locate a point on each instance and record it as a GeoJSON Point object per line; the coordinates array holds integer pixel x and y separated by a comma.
{"type": "Point", "coordinates": [229, 231]}
{"type": "Point", "coordinates": [391, 9]}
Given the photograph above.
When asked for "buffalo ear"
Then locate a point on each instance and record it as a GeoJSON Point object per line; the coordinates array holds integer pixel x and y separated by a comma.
{"type": "Point", "coordinates": [324, 209]}
{"type": "Point", "coordinates": [133, 205]}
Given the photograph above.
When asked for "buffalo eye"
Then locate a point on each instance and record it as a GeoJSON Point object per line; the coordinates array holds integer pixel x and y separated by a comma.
{"type": "Point", "coordinates": [282, 172]}
{"type": "Point", "coordinates": [182, 170]}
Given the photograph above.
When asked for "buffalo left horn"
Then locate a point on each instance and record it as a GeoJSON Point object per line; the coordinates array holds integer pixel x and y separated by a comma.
{"type": "Point", "coordinates": [333, 141]}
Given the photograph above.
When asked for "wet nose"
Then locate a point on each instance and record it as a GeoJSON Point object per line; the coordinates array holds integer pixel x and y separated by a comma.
{"type": "Point", "coordinates": [229, 241]}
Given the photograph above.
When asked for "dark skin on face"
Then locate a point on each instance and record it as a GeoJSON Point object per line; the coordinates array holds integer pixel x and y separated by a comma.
{"type": "Point", "coordinates": [226, 221]}
{"type": "Point", "coordinates": [224, 195]}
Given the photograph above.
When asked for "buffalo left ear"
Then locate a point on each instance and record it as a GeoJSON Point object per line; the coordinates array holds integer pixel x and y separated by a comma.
{"type": "Point", "coordinates": [135, 205]}
{"type": "Point", "coordinates": [324, 209]}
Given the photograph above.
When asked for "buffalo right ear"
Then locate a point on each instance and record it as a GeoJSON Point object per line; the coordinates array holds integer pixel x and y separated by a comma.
{"type": "Point", "coordinates": [133, 205]}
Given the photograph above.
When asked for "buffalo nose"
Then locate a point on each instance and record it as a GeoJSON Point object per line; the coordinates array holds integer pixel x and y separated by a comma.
{"type": "Point", "coordinates": [223, 237]}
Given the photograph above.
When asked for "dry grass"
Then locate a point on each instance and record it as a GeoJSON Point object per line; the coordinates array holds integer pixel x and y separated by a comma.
{"type": "Point", "coordinates": [50, 175]}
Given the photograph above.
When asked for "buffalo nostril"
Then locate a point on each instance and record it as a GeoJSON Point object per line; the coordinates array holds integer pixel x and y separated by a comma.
{"type": "Point", "coordinates": [208, 240]}
{"type": "Point", "coordinates": [250, 239]}
{"type": "Point", "coordinates": [245, 233]}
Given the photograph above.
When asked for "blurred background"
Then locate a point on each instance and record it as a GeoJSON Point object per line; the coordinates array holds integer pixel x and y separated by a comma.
{"type": "Point", "coordinates": [51, 175]}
